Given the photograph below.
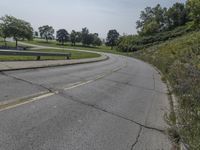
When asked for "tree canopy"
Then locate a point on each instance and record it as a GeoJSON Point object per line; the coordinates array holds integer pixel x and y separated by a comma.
{"type": "Point", "coordinates": [96, 40]}
{"type": "Point", "coordinates": [16, 28]}
{"type": "Point", "coordinates": [158, 24]}
{"type": "Point", "coordinates": [158, 19]}
{"type": "Point", "coordinates": [62, 36]}
{"type": "Point", "coordinates": [75, 37]}
{"type": "Point", "coordinates": [86, 38]}
{"type": "Point", "coordinates": [46, 32]}
{"type": "Point", "coordinates": [177, 15]}
{"type": "Point", "coordinates": [194, 7]}
{"type": "Point", "coordinates": [90, 38]}
{"type": "Point", "coordinates": [112, 38]}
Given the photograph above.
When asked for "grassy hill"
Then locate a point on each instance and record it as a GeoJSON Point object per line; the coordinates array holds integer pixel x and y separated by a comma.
{"type": "Point", "coordinates": [179, 60]}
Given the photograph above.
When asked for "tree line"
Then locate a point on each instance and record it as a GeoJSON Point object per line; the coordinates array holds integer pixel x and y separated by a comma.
{"type": "Point", "coordinates": [63, 36]}
{"type": "Point", "coordinates": [84, 36]}
{"type": "Point", "coordinates": [158, 19]}
{"type": "Point", "coordinates": [157, 24]}
{"type": "Point", "coordinates": [18, 29]}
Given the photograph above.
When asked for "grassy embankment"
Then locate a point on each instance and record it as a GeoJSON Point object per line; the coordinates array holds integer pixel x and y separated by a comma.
{"type": "Point", "coordinates": [75, 54]}
{"type": "Point", "coordinates": [179, 61]}
{"type": "Point", "coordinates": [53, 43]}
{"type": "Point", "coordinates": [9, 44]}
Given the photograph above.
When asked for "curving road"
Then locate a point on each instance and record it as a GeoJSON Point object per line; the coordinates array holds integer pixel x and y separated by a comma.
{"type": "Point", "coordinates": [117, 104]}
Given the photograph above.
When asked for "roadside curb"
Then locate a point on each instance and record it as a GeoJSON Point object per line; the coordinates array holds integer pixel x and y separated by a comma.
{"type": "Point", "coordinates": [81, 61]}
{"type": "Point", "coordinates": [173, 100]}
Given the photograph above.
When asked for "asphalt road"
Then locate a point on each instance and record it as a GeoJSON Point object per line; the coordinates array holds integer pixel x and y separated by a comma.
{"type": "Point", "coordinates": [117, 104]}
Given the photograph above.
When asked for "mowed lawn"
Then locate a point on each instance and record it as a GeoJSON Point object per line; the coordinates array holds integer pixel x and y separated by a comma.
{"type": "Point", "coordinates": [10, 44]}
{"type": "Point", "coordinates": [75, 55]}
{"type": "Point", "coordinates": [53, 43]}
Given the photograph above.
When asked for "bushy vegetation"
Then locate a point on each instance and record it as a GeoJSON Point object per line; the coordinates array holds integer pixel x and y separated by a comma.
{"type": "Point", "coordinates": [159, 24]}
{"type": "Point", "coordinates": [158, 19]}
{"type": "Point", "coordinates": [194, 7]}
{"type": "Point", "coordinates": [179, 60]}
{"type": "Point", "coordinates": [132, 43]}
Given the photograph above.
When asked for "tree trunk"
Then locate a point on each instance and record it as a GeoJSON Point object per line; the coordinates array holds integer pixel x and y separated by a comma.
{"type": "Point", "coordinates": [16, 43]}
{"type": "Point", "coordinates": [5, 42]}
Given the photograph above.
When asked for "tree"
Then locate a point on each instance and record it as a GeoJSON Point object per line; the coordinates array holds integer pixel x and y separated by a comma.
{"type": "Point", "coordinates": [46, 32]}
{"type": "Point", "coordinates": [62, 36]}
{"type": "Point", "coordinates": [177, 15]}
{"type": "Point", "coordinates": [150, 17]}
{"type": "Point", "coordinates": [90, 39]}
{"type": "Point", "coordinates": [194, 7]}
{"type": "Point", "coordinates": [36, 34]}
{"type": "Point", "coordinates": [96, 40]}
{"type": "Point", "coordinates": [151, 27]}
{"type": "Point", "coordinates": [3, 33]}
{"type": "Point", "coordinates": [112, 38]}
{"type": "Point", "coordinates": [75, 37]}
{"type": "Point", "coordinates": [86, 38]}
{"type": "Point", "coordinates": [16, 28]}
{"type": "Point", "coordinates": [128, 43]}
{"type": "Point", "coordinates": [159, 19]}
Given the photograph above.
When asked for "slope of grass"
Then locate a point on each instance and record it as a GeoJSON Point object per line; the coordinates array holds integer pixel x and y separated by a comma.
{"type": "Point", "coordinates": [53, 43]}
{"type": "Point", "coordinates": [136, 42]}
{"type": "Point", "coordinates": [10, 44]}
{"type": "Point", "coordinates": [75, 55]}
{"type": "Point", "coordinates": [179, 61]}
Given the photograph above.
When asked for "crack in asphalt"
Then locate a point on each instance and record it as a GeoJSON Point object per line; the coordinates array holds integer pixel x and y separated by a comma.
{"type": "Point", "coordinates": [133, 75]}
{"type": "Point", "coordinates": [109, 112]}
{"type": "Point", "coordinates": [62, 94]}
{"type": "Point", "coordinates": [137, 138]}
{"type": "Point", "coordinates": [132, 85]}
{"type": "Point", "coordinates": [29, 82]}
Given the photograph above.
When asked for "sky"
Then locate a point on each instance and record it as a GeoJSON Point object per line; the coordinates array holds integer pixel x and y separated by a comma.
{"type": "Point", "coordinates": [98, 16]}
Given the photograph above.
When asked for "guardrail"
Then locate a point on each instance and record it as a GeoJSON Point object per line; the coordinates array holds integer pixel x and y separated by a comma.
{"type": "Point", "coordinates": [33, 53]}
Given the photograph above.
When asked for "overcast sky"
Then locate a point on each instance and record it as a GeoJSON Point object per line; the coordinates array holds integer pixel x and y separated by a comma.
{"type": "Point", "coordinates": [98, 15]}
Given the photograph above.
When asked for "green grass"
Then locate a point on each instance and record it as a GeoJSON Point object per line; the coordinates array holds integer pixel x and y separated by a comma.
{"type": "Point", "coordinates": [136, 42]}
{"type": "Point", "coordinates": [53, 43]}
{"type": "Point", "coordinates": [75, 55]}
{"type": "Point", "coordinates": [10, 44]}
{"type": "Point", "coordinates": [179, 61]}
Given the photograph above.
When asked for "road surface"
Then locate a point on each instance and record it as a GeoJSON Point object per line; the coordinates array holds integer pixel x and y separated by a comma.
{"type": "Point", "coordinates": [117, 104]}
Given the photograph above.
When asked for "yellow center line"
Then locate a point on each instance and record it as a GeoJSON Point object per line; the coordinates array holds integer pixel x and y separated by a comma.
{"type": "Point", "coordinates": [18, 103]}
{"type": "Point", "coordinates": [83, 83]}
